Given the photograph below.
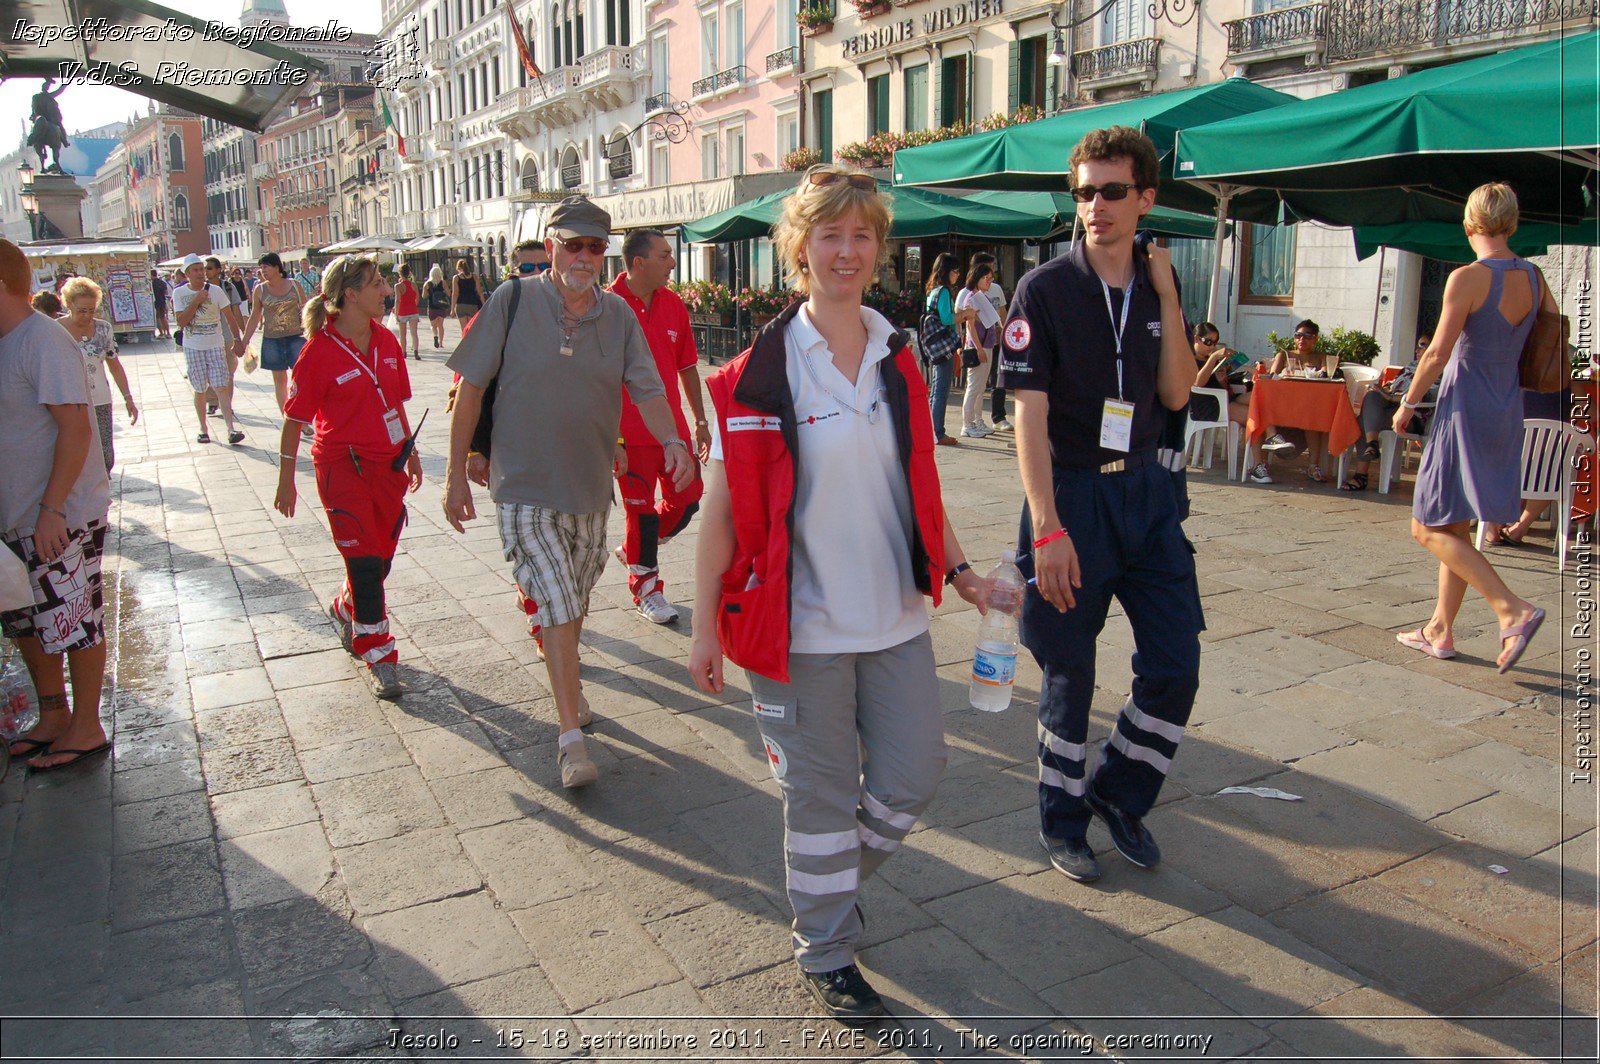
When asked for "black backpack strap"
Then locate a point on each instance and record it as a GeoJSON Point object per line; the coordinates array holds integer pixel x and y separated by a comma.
{"type": "Point", "coordinates": [485, 429]}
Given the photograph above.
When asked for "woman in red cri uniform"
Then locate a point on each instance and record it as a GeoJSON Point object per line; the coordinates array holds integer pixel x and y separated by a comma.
{"type": "Point", "coordinates": [350, 382]}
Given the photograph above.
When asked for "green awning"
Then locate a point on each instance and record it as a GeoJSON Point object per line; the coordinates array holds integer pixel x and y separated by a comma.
{"type": "Point", "coordinates": [1033, 156]}
{"type": "Point", "coordinates": [1058, 206]}
{"type": "Point", "coordinates": [1447, 241]}
{"type": "Point", "coordinates": [917, 213]}
{"type": "Point", "coordinates": [1413, 147]}
{"type": "Point", "coordinates": [237, 84]}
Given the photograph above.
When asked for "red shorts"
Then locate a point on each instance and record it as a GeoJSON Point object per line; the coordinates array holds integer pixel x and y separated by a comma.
{"type": "Point", "coordinates": [366, 507]}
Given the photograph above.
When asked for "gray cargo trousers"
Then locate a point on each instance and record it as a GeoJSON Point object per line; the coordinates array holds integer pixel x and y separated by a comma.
{"type": "Point", "coordinates": [856, 742]}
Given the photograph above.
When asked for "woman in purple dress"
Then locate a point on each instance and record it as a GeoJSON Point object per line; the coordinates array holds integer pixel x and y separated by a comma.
{"type": "Point", "coordinates": [1472, 467]}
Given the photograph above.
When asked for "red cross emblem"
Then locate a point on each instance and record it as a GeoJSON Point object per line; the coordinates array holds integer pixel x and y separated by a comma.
{"type": "Point", "coordinates": [1018, 334]}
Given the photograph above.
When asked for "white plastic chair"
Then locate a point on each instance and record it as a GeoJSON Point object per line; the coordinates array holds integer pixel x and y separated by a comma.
{"type": "Point", "coordinates": [1198, 443]}
{"type": "Point", "coordinates": [1549, 451]}
{"type": "Point", "coordinates": [1355, 375]}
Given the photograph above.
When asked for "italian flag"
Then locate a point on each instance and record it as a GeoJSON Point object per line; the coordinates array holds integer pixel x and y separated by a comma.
{"type": "Point", "coordinates": [388, 120]}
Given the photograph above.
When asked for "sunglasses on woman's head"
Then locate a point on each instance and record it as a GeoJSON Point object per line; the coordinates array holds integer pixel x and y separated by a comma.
{"type": "Point", "coordinates": [593, 245]}
{"type": "Point", "coordinates": [865, 182]}
{"type": "Point", "coordinates": [1111, 191]}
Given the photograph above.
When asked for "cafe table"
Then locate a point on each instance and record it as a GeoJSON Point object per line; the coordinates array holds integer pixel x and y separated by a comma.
{"type": "Point", "coordinates": [1313, 405]}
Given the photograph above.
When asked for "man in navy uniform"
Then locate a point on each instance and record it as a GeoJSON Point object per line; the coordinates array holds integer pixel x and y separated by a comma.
{"type": "Point", "coordinates": [1094, 353]}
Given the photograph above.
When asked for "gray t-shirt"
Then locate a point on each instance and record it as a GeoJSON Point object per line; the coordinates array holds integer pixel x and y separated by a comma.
{"type": "Point", "coordinates": [40, 364]}
{"type": "Point", "coordinates": [205, 331]}
{"type": "Point", "coordinates": [555, 415]}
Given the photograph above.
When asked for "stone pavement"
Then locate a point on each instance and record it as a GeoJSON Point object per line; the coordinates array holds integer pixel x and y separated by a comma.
{"type": "Point", "coordinates": [274, 864]}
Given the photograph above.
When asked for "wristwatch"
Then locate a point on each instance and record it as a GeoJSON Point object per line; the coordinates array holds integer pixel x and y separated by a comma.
{"type": "Point", "coordinates": [957, 570]}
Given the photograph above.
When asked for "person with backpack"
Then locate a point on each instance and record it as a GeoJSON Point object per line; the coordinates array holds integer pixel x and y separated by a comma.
{"type": "Point", "coordinates": [436, 297]}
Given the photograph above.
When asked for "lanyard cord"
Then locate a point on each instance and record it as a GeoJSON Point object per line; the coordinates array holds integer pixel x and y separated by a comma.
{"type": "Point", "coordinates": [1118, 327]}
{"type": "Point", "coordinates": [871, 413]}
{"type": "Point", "coordinates": [372, 373]}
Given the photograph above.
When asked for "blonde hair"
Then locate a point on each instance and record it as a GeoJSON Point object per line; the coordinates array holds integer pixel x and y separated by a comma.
{"type": "Point", "coordinates": [436, 275]}
{"type": "Point", "coordinates": [809, 206]}
{"type": "Point", "coordinates": [80, 286]}
{"type": "Point", "coordinates": [343, 274]}
{"type": "Point", "coordinates": [1492, 210]}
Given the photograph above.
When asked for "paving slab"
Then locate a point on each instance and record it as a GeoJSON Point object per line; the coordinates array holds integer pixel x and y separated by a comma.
{"type": "Point", "coordinates": [593, 951]}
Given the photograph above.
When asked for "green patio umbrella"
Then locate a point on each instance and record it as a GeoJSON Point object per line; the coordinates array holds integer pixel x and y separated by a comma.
{"type": "Point", "coordinates": [917, 213]}
{"type": "Point", "coordinates": [1447, 241]}
{"type": "Point", "coordinates": [1060, 208]}
{"type": "Point", "coordinates": [1033, 156]}
{"type": "Point", "coordinates": [1412, 148]}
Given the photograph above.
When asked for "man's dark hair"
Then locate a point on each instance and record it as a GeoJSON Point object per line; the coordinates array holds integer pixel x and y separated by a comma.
{"type": "Point", "coordinates": [637, 244]}
{"type": "Point", "coordinates": [1308, 325]}
{"type": "Point", "coordinates": [528, 245]}
{"type": "Point", "coordinates": [212, 262]}
{"type": "Point", "coordinates": [1118, 142]}
{"type": "Point", "coordinates": [981, 257]}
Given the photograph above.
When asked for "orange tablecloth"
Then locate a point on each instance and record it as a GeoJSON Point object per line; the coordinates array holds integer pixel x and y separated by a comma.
{"type": "Point", "coordinates": [1584, 397]}
{"type": "Point", "coordinates": [1320, 406]}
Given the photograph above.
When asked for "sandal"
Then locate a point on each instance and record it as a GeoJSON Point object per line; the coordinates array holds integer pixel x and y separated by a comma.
{"type": "Point", "coordinates": [1316, 474]}
{"type": "Point", "coordinates": [1500, 539]}
{"type": "Point", "coordinates": [1371, 452]}
{"type": "Point", "coordinates": [204, 437]}
{"type": "Point", "coordinates": [1523, 634]}
{"type": "Point", "coordinates": [1357, 482]}
{"type": "Point", "coordinates": [1419, 641]}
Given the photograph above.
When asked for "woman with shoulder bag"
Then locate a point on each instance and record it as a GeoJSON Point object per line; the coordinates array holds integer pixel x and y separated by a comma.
{"type": "Point", "coordinates": [972, 307]}
{"type": "Point", "coordinates": [941, 306]}
{"type": "Point", "coordinates": [436, 295]}
{"type": "Point", "coordinates": [1472, 467]}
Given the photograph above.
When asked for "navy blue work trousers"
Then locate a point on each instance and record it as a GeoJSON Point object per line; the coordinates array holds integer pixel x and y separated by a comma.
{"type": "Point", "coordinates": [1131, 547]}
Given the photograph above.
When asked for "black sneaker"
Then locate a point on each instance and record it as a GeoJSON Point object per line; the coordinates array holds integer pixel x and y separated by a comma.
{"type": "Point", "coordinates": [845, 994]}
{"type": "Point", "coordinates": [1072, 858]}
{"type": "Point", "coordinates": [1128, 833]}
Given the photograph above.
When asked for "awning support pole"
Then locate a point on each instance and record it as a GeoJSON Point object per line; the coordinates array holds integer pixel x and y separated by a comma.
{"type": "Point", "coordinates": [1224, 196]}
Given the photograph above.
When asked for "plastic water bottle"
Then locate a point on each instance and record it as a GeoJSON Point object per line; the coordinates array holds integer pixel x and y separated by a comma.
{"type": "Point", "coordinates": [994, 662]}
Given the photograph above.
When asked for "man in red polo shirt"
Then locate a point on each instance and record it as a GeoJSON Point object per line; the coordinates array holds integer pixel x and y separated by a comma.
{"type": "Point", "coordinates": [649, 262]}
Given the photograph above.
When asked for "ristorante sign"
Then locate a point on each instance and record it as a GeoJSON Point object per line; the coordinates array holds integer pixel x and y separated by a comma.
{"type": "Point", "coordinates": [930, 23]}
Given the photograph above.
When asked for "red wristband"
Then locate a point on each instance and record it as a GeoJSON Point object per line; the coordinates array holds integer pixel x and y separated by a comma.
{"type": "Point", "coordinates": [1059, 533]}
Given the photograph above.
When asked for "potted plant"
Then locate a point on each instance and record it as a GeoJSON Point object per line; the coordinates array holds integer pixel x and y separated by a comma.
{"type": "Point", "coordinates": [762, 304]}
{"type": "Point", "coordinates": [870, 8]}
{"type": "Point", "coordinates": [1351, 345]}
{"type": "Point", "coordinates": [802, 159]}
{"type": "Point", "coordinates": [708, 302]}
{"type": "Point", "coordinates": [876, 151]}
{"type": "Point", "coordinates": [815, 19]}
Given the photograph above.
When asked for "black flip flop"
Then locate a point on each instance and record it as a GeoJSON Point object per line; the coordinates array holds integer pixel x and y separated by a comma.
{"type": "Point", "coordinates": [82, 756]}
{"type": "Point", "coordinates": [33, 747]}
{"type": "Point", "coordinates": [235, 437]}
{"type": "Point", "coordinates": [204, 437]}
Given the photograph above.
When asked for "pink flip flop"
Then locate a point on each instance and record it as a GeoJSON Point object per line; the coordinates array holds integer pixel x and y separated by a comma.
{"type": "Point", "coordinates": [1523, 634]}
{"type": "Point", "coordinates": [1417, 641]}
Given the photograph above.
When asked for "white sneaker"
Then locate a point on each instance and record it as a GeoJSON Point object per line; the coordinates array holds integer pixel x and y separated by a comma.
{"type": "Point", "coordinates": [1276, 442]}
{"type": "Point", "coordinates": [654, 607]}
{"type": "Point", "coordinates": [976, 432]}
{"type": "Point", "coordinates": [1259, 474]}
{"type": "Point", "coordinates": [1002, 425]}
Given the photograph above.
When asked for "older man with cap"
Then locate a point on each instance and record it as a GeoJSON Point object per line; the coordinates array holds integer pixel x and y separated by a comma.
{"type": "Point", "coordinates": [562, 349]}
{"type": "Point", "coordinates": [202, 307]}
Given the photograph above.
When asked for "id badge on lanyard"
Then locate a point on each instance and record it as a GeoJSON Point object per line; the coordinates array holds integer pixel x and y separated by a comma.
{"type": "Point", "coordinates": [1116, 417]}
{"type": "Point", "coordinates": [391, 417]}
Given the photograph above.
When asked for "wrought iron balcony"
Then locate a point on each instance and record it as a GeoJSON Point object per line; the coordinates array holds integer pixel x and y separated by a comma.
{"type": "Point", "coordinates": [1287, 31]}
{"type": "Point", "coordinates": [1358, 29]}
{"type": "Point", "coordinates": [572, 176]}
{"type": "Point", "coordinates": [783, 59]}
{"type": "Point", "coordinates": [661, 101]}
{"type": "Point", "coordinates": [722, 79]}
{"type": "Point", "coordinates": [1117, 64]}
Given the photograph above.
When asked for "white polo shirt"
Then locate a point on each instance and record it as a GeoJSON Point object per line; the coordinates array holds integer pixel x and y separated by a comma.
{"type": "Point", "coordinates": [853, 589]}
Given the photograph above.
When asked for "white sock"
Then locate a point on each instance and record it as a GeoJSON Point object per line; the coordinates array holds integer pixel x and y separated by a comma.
{"type": "Point", "coordinates": [570, 737]}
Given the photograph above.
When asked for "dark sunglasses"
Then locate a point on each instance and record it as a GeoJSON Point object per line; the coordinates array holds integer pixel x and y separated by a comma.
{"type": "Point", "coordinates": [593, 245]}
{"type": "Point", "coordinates": [1206, 341]}
{"type": "Point", "coordinates": [536, 267]}
{"type": "Point", "coordinates": [1305, 336]}
{"type": "Point", "coordinates": [1112, 191]}
{"type": "Point", "coordinates": [865, 182]}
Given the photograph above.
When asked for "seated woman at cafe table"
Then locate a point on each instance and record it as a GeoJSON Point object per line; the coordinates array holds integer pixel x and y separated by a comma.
{"type": "Point", "coordinates": [1377, 411]}
{"type": "Point", "coordinates": [1303, 358]}
{"type": "Point", "coordinates": [1214, 361]}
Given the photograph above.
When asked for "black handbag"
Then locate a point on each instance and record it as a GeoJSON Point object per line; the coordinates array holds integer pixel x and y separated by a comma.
{"type": "Point", "coordinates": [939, 341]}
{"type": "Point", "coordinates": [969, 358]}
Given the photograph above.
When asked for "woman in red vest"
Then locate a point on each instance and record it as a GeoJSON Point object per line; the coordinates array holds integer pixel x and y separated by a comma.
{"type": "Point", "coordinates": [824, 533]}
{"type": "Point", "coordinates": [350, 382]}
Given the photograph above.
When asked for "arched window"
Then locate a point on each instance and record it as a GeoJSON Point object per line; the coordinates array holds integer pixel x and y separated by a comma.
{"type": "Point", "coordinates": [180, 211]}
{"type": "Point", "coordinates": [619, 157]}
{"type": "Point", "coordinates": [571, 168]}
{"type": "Point", "coordinates": [175, 153]}
{"type": "Point", "coordinates": [503, 256]}
{"type": "Point", "coordinates": [528, 179]}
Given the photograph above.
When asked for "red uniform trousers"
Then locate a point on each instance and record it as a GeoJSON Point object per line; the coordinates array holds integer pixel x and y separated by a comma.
{"type": "Point", "coordinates": [365, 503]}
{"type": "Point", "coordinates": [649, 522]}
